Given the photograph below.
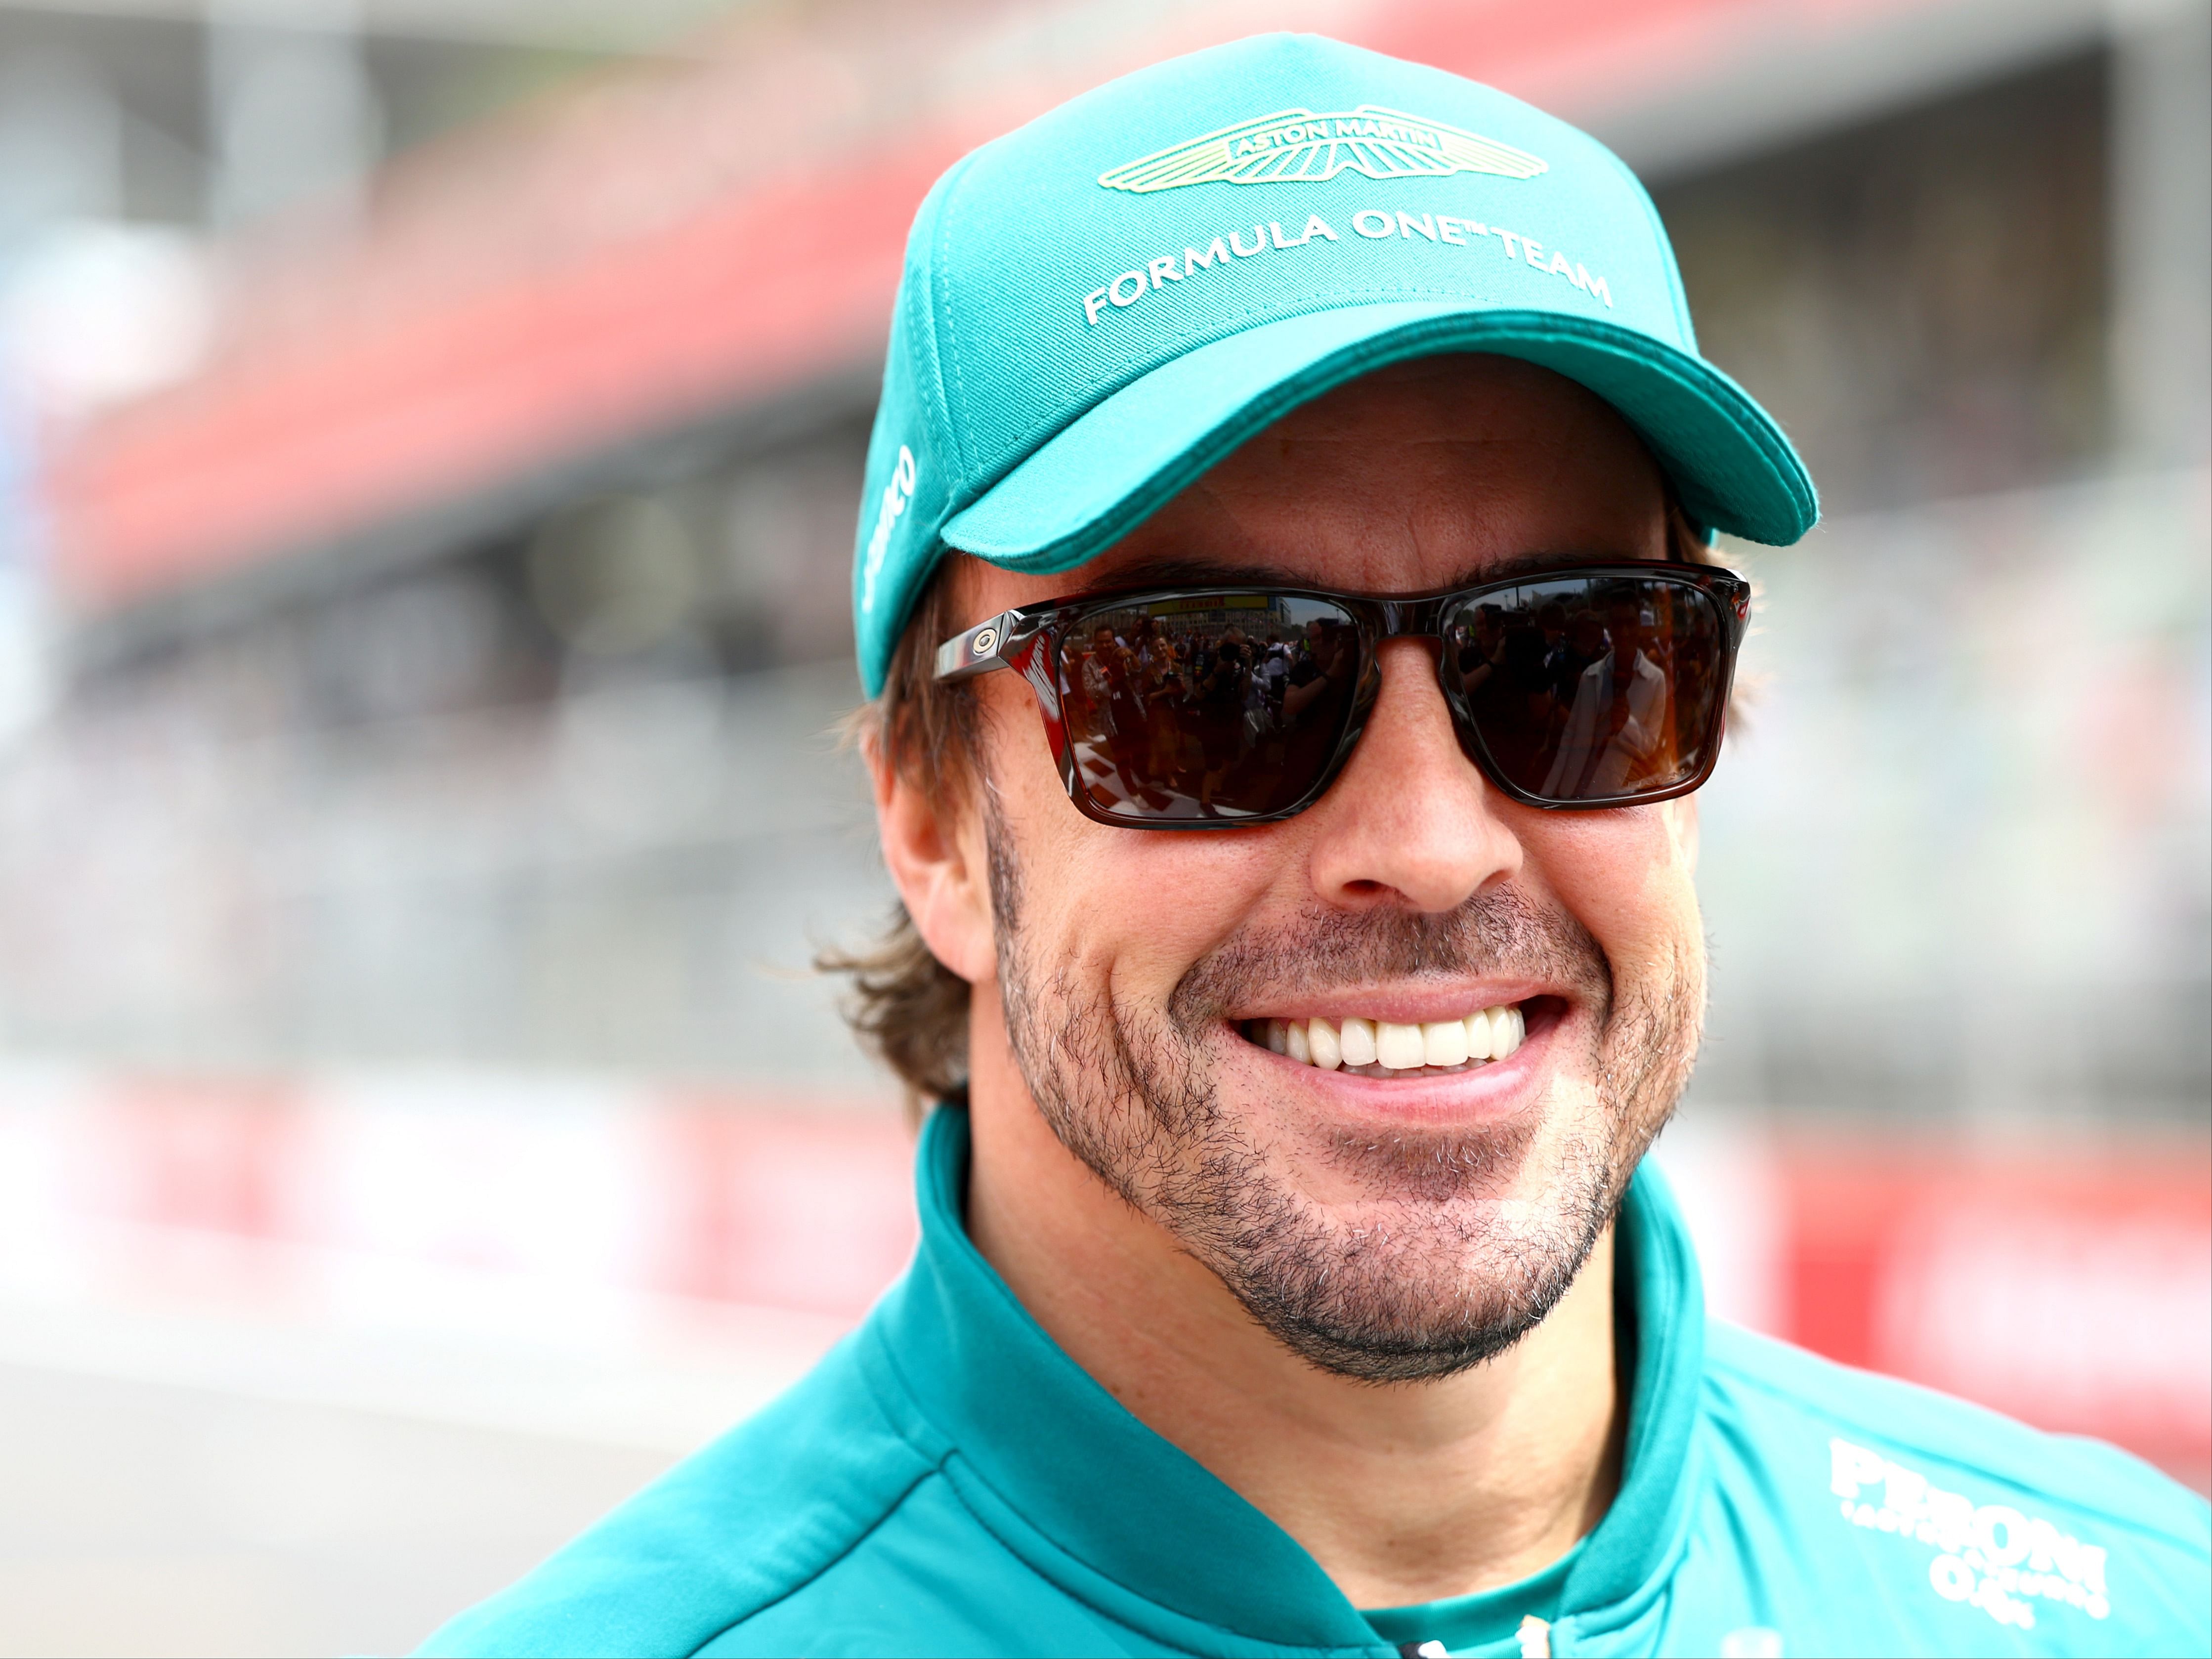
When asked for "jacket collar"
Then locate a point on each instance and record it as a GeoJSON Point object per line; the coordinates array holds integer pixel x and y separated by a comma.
{"type": "Point", "coordinates": [1075, 1465]}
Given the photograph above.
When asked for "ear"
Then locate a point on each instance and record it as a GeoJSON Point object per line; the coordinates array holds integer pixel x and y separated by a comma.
{"type": "Point", "coordinates": [937, 862]}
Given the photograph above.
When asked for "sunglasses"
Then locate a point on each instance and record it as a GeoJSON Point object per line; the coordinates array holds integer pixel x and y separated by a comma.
{"type": "Point", "coordinates": [1209, 708]}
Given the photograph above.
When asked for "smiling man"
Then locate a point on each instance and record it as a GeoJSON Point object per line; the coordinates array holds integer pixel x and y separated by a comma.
{"type": "Point", "coordinates": [1291, 1280]}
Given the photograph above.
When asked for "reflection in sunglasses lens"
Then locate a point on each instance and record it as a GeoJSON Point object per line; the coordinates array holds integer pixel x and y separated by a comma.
{"type": "Point", "coordinates": [1207, 706]}
{"type": "Point", "coordinates": [1213, 707]}
{"type": "Point", "coordinates": [1588, 689]}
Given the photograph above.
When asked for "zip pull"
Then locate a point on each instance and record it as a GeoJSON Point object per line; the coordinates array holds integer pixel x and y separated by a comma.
{"type": "Point", "coordinates": [1535, 1637]}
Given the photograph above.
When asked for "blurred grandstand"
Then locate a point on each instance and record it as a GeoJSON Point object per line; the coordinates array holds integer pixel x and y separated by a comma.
{"type": "Point", "coordinates": [429, 445]}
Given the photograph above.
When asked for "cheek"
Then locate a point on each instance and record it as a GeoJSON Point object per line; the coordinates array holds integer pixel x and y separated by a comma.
{"type": "Point", "coordinates": [1624, 874]}
{"type": "Point", "coordinates": [1133, 909]}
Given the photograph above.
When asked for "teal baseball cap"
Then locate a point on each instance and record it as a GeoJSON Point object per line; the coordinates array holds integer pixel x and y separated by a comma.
{"type": "Point", "coordinates": [1101, 305]}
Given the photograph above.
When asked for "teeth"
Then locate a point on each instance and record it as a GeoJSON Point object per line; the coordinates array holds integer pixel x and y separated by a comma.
{"type": "Point", "coordinates": [1381, 1049]}
{"type": "Point", "coordinates": [1398, 1047]}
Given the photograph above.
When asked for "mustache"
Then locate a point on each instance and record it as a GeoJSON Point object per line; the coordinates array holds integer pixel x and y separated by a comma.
{"type": "Point", "coordinates": [1503, 933]}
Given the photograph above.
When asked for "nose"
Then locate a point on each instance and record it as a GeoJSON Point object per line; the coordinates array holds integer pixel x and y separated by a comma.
{"type": "Point", "coordinates": [1410, 821]}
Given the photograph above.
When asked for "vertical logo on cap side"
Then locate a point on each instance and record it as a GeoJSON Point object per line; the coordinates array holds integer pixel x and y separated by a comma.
{"type": "Point", "coordinates": [897, 494]}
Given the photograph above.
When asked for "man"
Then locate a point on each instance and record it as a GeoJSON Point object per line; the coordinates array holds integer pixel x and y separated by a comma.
{"type": "Point", "coordinates": [1290, 1281]}
{"type": "Point", "coordinates": [1617, 720]}
{"type": "Point", "coordinates": [1275, 665]}
{"type": "Point", "coordinates": [1110, 686]}
{"type": "Point", "coordinates": [1220, 714]}
{"type": "Point", "coordinates": [1560, 669]}
{"type": "Point", "coordinates": [1324, 661]}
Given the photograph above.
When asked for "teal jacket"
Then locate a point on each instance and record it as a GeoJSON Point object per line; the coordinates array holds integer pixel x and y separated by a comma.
{"type": "Point", "coordinates": [948, 1481]}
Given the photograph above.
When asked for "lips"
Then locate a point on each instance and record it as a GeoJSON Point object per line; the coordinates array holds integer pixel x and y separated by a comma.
{"type": "Point", "coordinates": [1381, 1048]}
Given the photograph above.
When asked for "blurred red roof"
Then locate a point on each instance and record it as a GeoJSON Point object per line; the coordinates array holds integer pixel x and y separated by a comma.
{"type": "Point", "coordinates": [642, 252]}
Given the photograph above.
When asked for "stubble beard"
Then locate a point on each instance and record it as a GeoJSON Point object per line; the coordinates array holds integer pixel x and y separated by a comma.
{"type": "Point", "coordinates": [1433, 1274]}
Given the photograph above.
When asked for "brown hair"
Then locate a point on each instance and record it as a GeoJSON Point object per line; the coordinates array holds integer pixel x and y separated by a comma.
{"type": "Point", "coordinates": [908, 1008]}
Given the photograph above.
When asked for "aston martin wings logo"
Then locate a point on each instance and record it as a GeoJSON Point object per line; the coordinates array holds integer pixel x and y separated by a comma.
{"type": "Point", "coordinates": [1298, 144]}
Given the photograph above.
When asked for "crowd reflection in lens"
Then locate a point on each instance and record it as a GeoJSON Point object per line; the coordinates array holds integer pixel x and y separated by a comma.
{"type": "Point", "coordinates": [1590, 688]}
{"type": "Point", "coordinates": [1216, 707]}
{"type": "Point", "coordinates": [1223, 706]}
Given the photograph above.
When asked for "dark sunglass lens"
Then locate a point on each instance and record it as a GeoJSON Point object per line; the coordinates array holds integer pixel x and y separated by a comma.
{"type": "Point", "coordinates": [1589, 689]}
{"type": "Point", "coordinates": [1206, 706]}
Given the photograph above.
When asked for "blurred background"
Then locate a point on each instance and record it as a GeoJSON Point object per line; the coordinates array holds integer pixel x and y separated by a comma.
{"type": "Point", "coordinates": [430, 434]}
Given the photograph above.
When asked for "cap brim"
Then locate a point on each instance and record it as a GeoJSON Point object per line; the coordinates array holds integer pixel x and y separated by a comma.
{"type": "Point", "coordinates": [1116, 465]}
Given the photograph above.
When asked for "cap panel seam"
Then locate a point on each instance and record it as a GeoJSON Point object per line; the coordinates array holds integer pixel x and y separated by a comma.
{"type": "Point", "coordinates": [927, 269]}
{"type": "Point", "coordinates": [936, 415]}
{"type": "Point", "coordinates": [941, 310]}
{"type": "Point", "coordinates": [1665, 246]}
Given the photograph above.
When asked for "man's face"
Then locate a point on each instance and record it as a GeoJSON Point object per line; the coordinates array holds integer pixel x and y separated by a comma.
{"type": "Point", "coordinates": [1386, 1227]}
{"type": "Point", "coordinates": [1627, 627]}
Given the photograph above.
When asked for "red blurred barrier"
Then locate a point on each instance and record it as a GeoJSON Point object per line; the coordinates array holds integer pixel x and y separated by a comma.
{"type": "Point", "coordinates": [2068, 1285]}
{"type": "Point", "coordinates": [221, 1156]}
{"type": "Point", "coordinates": [2071, 1287]}
{"type": "Point", "coordinates": [795, 1211]}
{"type": "Point", "coordinates": [658, 249]}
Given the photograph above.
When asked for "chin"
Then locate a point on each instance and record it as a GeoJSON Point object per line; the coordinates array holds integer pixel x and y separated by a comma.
{"type": "Point", "coordinates": [1444, 1268]}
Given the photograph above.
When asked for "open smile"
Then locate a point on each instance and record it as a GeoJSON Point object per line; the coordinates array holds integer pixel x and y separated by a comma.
{"type": "Point", "coordinates": [1389, 1049]}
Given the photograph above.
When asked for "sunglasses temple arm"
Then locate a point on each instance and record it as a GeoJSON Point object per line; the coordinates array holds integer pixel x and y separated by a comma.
{"type": "Point", "coordinates": [979, 650]}
{"type": "Point", "coordinates": [1737, 606]}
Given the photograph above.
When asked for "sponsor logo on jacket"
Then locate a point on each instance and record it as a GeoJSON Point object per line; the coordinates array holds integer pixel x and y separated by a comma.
{"type": "Point", "coordinates": [1989, 1556]}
